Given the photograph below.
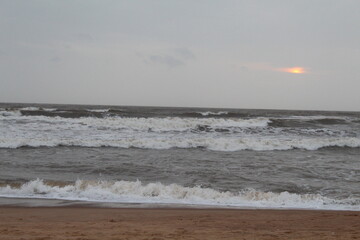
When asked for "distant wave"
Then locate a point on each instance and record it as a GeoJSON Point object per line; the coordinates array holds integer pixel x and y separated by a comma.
{"type": "Point", "coordinates": [100, 113]}
{"type": "Point", "coordinates": [213, 113]}
{"type": "Point", "coordinates": [98, 110]}
{"type": "Point", "coordinates": [115, 112]}
{"type": "Point", "coordinates": [30, 108]}
{"type": "Point", "coordinates": [215, 144]}
{"type": "Point", "coordinates": [213, 133]}
{"type": "Point", "coordinates": [154, 124]}
{"type": "Point", "coordinates": [219, 114]}
{"type": "Point", "coordinates": [64, 113]}
{"type": "Point", "coordinates": [308, 121]}
{"type": "Point", "coordinates": [137, 192]}
{"type": "Point", "coordinates": [37, 109]}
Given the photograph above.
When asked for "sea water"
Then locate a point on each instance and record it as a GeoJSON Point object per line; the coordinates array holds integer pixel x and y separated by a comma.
{"type": "Point", "coordinates": [191, 156]}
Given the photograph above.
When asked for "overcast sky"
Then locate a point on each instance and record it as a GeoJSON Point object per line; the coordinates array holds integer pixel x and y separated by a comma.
{"type": "Point", "coordinates": [188, 53]}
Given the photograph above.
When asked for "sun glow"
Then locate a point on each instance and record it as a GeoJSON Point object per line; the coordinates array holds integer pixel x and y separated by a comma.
{"type": "Point", "coordinates": [296, 70]}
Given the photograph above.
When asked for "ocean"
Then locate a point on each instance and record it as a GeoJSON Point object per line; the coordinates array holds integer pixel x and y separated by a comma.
{"type": "Point", "coordinates": [238, 158]}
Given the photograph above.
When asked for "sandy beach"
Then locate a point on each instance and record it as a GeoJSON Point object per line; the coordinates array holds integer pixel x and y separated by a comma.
{"type": "Point", "coordinates": [82, 223]}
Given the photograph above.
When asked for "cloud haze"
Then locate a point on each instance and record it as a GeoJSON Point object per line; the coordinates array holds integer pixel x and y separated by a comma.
{"type": "Point", "coordinates": [182, 53]}
{"type": "Point", "coordinates": [173, 58]}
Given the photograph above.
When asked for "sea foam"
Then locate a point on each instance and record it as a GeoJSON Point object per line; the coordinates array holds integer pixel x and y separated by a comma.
{"type": "Point", "coordinates": [215, 144]}
{"type": "Point", "coordinates": [218, 134]}
{"type": "Point", "coordinates": [137, 192]}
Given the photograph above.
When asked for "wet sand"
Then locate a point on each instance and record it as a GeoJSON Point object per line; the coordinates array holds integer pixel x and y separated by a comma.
{"type": "Point", "coordinates": [80, 223]}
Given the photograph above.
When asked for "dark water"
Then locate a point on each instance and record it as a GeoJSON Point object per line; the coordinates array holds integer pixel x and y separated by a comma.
{"type": "Point", "coordinates": [223, 157]}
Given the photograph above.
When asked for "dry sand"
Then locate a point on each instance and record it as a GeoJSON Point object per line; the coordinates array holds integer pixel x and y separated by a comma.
{"type": "Point", "coordinates": [108, 223]}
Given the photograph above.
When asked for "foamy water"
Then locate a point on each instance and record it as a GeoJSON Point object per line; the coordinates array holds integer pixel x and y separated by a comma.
{"type": "Point", "coordinates": [219, 134]}
{"type": "Point", "coordinates": [137, 192]}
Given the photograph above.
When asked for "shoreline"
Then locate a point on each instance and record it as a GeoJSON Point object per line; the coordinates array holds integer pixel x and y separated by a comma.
{"type": "Point", "coordinates": [84, 222]}
{"type": "Point", "coordinates": [13, 202]}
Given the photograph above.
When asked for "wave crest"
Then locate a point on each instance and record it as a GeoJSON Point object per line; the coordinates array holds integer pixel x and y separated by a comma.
{"type": "Point", "coordinates": [215, 144]}
{"type": "Point", "coordinates": [213, 133]}
{"type": "Point", "coordinates": [137, 192]}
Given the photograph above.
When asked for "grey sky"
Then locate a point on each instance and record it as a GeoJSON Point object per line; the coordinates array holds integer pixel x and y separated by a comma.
{"type": "Point", "coordinates": [182, 53]}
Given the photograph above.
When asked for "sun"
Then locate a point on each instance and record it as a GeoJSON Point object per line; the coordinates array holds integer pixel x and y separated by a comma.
{"type": "Point", "coordinates": [295, 70]}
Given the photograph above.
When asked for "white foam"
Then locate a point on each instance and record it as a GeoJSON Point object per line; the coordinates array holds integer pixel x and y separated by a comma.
{"type": "Point", "coordinates": [7, 113]}
{"type": "Point", "coordinates": [50, 109]}
{"type": "Point", "coordinates": [213, 113]}
{"type": "Point", "coordinates": [136, 192]}
{"type": "Point", "coordinates": [156, 142]}
{"type": "Point", "coordinates": [219, 134]}
{"type": "Point", "coordinates": [315, 117]}
{"type": "Point", "coordinates": [30, 108]}
{"type": "Point", "coordinates": [98, 110]}
{"type": "Point", "coordinates": [156, 124]}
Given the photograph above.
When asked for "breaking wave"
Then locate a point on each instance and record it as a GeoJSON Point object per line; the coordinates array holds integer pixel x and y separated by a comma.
{"type": "Point", "coordinates": [137, 192]}
{"type": "Point", "coordinates": [215, 144]}
{"type": "Point", "coordinates": [213, 113]}
{"type": "Point", "coordinates": [25, 128]}
{"type": "Point", "coordinates": [155, 124]}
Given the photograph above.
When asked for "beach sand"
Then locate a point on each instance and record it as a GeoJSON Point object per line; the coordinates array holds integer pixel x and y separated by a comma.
{"type": "Point", "coordinates": [80, 223]}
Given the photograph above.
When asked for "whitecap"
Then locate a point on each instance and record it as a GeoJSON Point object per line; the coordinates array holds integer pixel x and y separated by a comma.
{"type": "Point", "coordinates": [137, 192]}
